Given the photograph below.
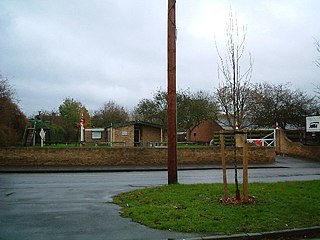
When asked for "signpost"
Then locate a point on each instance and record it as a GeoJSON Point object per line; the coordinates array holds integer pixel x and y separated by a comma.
{"type": "Point", "coordinates": [81, 129]}
{"type": "Point", "coordinates": [42, 136]}
{"type": "Point", "coordinates": [313, 124]}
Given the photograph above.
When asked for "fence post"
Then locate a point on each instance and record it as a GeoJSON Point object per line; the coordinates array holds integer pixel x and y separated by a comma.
{"type": "Point", "coordinates": [245, 168]}
{"type": "Point", "coordinates": [224, 168]}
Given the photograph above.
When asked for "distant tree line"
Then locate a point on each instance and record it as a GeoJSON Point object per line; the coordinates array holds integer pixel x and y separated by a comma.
{"type": "Point", "coordinates": [265, 105]}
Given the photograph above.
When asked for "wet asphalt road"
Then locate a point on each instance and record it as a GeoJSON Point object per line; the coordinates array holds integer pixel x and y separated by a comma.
{"type": "Point", "coordinates": [79, 205]}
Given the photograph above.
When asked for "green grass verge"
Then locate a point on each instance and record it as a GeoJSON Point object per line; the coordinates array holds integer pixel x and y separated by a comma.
{"type": "Point", "coordinates": [191, 145]}
{"type": "Point", "coordinates": [72, 145]}
{"type": "Point", "coordinates": [196, 208]}
{"type": "Point", "coordinates": [77, 145]}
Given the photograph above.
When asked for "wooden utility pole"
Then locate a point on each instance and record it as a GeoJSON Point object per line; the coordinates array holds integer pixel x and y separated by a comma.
{"type": "Point", "coordinates": [172, 96]}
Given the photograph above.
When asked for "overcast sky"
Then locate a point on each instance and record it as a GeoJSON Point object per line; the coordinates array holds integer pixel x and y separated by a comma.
{"type": "Point", "coordinates": [100, 50]}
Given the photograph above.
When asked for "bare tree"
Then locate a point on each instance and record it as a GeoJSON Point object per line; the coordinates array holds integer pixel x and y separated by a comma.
{"type": "Point", "coordinates": [6, 90]}
{"type": "Point", "coordinates": [317, 62]}
{"type": "Point", "coordinates": [317, 44]}
{"type": "Point", "coordinates": [279, 103]}
{"type": "Point", "coordinates": [109, 113]}
{"type": "Point", "coordinates": [234, 91]}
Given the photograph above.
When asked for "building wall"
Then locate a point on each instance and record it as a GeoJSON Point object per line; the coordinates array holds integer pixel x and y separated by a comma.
{"type": "Point", "coordinates": [150, 134]}
{"type": "Point", "coordinates": [124, 156]}
{"type": "Point", "coordinates": [204, 132]}
{"type": "Point", "coordinates": [88, 137]}
{"type": "Point", "coordinates": [28, 156]}
{"type": "Point", "coordinates": [119, 135]}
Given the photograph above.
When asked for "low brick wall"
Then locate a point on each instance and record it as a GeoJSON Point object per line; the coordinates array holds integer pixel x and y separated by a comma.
{"type": "Point", "coordinates": [288, 147]}
{"type": "Point", "coordinates": [124, 156]}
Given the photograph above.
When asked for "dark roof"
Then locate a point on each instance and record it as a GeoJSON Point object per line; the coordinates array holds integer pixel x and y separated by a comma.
{"type": "Point", "coordinates": [139, 123]}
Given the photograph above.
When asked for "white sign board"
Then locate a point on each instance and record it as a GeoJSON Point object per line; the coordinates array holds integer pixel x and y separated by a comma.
{"type": "Point", "coordinates": [42, 135]}
{"type": "Point", "coordinates": [313, 124]}
{"type": "Point", "coordinates": [124, 133]}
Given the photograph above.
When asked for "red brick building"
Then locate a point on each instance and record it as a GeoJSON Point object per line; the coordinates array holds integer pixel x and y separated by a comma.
{"type": "Point", "coordinates": [204, 131]}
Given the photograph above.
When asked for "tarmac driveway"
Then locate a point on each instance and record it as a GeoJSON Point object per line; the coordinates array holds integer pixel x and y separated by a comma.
{"type": "Point", "coordinates": [68, 206]}
{"type": "Point", "coordinates": [79, 205]}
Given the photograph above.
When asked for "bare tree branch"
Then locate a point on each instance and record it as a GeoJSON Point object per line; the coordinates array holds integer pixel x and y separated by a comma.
{"type": "Point", "coordinates": [234, 91]}
{"type": "Point", "coordinates": [317, 44]}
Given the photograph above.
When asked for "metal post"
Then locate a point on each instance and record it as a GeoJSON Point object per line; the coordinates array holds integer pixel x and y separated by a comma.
{"type": "Point", "coordinates": [172, 99]}
{"type": "Point", "coordinates": [81, 130]}
{"type": "Point", "coordinates": [81, 134]}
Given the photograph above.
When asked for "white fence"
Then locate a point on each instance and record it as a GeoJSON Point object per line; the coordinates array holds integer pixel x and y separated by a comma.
{"type": "Point", "coordinates": [267, 141]}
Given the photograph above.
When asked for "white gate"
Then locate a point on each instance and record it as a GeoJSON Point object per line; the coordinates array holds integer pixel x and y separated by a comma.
{"type": "Point", "coordinates": [267, 141]}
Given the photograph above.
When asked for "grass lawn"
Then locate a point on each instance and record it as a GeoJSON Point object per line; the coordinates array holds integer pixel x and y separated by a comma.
{"type": "Point", "coordinates": [72, 145]}
{"type": "Point", "coordinates": [196, 208]}
{"type": "Point", "coordinates": [91, 145]}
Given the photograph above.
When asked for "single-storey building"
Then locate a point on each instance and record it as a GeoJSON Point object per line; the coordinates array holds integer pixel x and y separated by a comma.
{"type": "Point", "coordinates": [204, 131]}
{"type": "Point", "coordinates": [135, 133]}
{"type": "Point", "coordinates": [95, 135]}
{"type": "Point", "coordinates": [129, 134]}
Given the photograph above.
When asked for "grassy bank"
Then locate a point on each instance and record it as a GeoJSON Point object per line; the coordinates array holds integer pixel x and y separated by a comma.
{"type": "Point", "coordinates": [73, 145]}
{"type": "Point", "coordinates": [196, 208]}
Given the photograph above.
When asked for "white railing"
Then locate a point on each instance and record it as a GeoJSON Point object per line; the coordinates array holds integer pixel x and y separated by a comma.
{"type": "Point", "coordinates": [267, 141]}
